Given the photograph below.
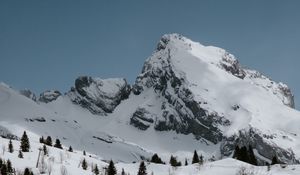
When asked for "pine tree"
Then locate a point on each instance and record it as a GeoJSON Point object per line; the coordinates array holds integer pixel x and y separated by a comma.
{"type": "Point", "coordinates": [42, 140]}
{"type": "Point", "coordinates": [201, 159]}
{"type": "Point", "coordinates": [84, 153]}
{"type": "Point", "coordinates": [84, 164]}
{"type": "Point", "coordinates": [236, 154]}
{"type": "Point", "coordinates": [195, 158]}
{"type": "Point", "coordinates": [142, 169]}
{"type": "Point", "coordinates": [186, 162]}
{"type": "Point", "coordinates": [252, 159]}
{"type": "Point", "coordinates": [123, 172]}
{"type": "Point", "coordinates": [25, 145]}
{"type": "Point", "coordinates": [70, 149]}
{"type": "Point", "coordinates": [274, 160]}
{"type": "Point", "coordinates": [45, 150]}
{"type": "Point", "coordinates": [156, 159]}
{"type": "Point", "coordinates": [111, 169]}
{"type": "Point", "coordinates": [10, 147]}
{"type": "Point", "coordinates": [48, 141]}
{"type": "Point", "coordinates": [20, 155]}
{"type": "Point", "coordinates": [27, 171]}
{"type": "Point", "coordinates": [244, 154]}
{"type": "Point", "coordinates": [57, 144]}
{"type": "Point", "coordinates": [3, 169]}
{"type": "Point", "coordinates": [174, 162]}
{"type": "Point", "coordinates": [1, 163]}
{"type": "Point", "coordinates": [96, 170]}
{"type": "Point", "coordinates": [9, 167]}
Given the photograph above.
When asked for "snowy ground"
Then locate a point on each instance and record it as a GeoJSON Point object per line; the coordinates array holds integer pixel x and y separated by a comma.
{"type": "Point", "coordinates": [71, 161]}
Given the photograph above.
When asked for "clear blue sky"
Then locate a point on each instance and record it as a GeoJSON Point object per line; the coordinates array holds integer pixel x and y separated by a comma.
{"type": "Point", "coordinates": [47, 44]}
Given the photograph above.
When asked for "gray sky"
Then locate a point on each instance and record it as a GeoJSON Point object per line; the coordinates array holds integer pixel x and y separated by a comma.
{"type": "Point", "coordinates": [47, 44]}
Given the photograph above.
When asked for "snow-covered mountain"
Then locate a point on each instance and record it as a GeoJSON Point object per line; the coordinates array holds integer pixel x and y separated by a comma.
{"type": "Point", "coordinates": [188, 96]}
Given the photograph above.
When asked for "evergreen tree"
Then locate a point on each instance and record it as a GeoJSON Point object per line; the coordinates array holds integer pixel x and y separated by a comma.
{"type": "Point", "coordinates": [20, 155]}
{"type": "Point", "coordinates": [244, 154]}
{"type": "Point", "coordinates": [70, 149]}
{"type": "Point", "coordinates": [274, 160]}
{"type": "Point", "coordinates": [25, 145]}
{"type": "Point", "coordinates": [1, 163]}
{"type": "Point", "coordinates": [174, 162]}
{"type": "Point", "coordinates": [10, 147]}
{"type": "Point", "coordinates": [48, 141]}
{"type": "Point", "coordinates": [45, 150]}
{"type": "Point", "coordinates": [201, 159]}
{"type": "Point", "coordinates": [236, 154]}
{"type": "Point", "coordinates": [9, 167]}
{"type": "Point", "coordinates": [57, 144]}
{"type": "Point", "coordinates": [123, 172]}
{"type": "Point", "coordinates": [195, 158]}
{"type": "Point", "coordinates": [3, 169]}
{"type": "Point", "coordinates": [27, 171]}
{"type": "Point", "coordinates": [84, 164]}
{"type": "Point", "coordinates": [111, 169]}
{"type": "Point", "coordinates": [96, 170]}
{"type": "Point", "coordinates": [142, 169]}
{"type": "Point", "coordinates": [186, 162]}
{"type": "Point", "coordinates": [156, 159]}
{"type": "Point", "coordinates": [42, 140]}
{"type": "Point", "coordinates": [252, 159]}
{"type": "Point", "coordinates": [84, 153]}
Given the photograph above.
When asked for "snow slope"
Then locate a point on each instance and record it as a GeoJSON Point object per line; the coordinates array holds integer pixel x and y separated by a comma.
{"type": "Point", "coordinates": [58, 159]}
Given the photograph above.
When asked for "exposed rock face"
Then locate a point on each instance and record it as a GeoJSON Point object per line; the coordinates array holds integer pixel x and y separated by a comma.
{"type": "Point", "coordinates": [141, 119]}
{"type": "Point", "coordinates": [27, 93]}
{"type": "Point", "coordinates": [187, 109]}
{"type": "Point", "coordinates": [49, 96]}
{"type": "Point", "coordinates": [261, 142]}
{"type": "Point", "coordinates": [180, 112]}
{"type": "Point", "coordinates": [100, 96]}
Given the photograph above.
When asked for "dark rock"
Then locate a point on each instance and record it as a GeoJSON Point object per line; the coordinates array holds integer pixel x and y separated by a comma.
{"type": "Point", "coordinates": [99, 96]}
{"type": "Point", "coordinates": [49, 96]}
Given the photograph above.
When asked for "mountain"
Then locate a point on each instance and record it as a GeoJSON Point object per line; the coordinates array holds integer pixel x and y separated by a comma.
{"type": "Point", "coordinates": [188, 96]}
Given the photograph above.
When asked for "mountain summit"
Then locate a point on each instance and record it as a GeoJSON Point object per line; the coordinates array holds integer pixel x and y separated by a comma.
{"type": "Point", "coordinates": [188, 96]}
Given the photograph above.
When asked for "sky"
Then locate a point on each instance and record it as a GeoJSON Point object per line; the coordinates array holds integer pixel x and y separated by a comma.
{"type": "Point", "coordinates": [47, 44]}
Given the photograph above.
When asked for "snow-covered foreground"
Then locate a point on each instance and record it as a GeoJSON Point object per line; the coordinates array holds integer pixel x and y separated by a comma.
{"type": "Point", "coordinates": [58, 159]}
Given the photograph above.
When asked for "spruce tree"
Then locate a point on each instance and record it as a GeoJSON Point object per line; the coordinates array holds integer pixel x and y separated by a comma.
{"type": "Point", "coordinates": [9, 167]}
{"type": "Point", "coordinates": [236, 154]}
{"type": "Point", "coordinates": [274, 160]}
{"type": "Point", "coordinates": [156, 159]}
{"type": "Point", "coordinates": [20, 155]}
{"type": "Point", "coordinates": [123, 172]}
{"type": "Point", "coordinates": [45, 150]}
{"type": "Point", "coordinates": [26, 171]}
{"type": "Point", "coordinates": [84, 153]}
{"type": "Point", "coordinates": [84, 164]}
{"type": "Point", "coordinates": [57, 144]}
{"type": "Point", "coordinates": [252, 159]}
{"type": "Point", "coordinates": [201, 159]}
{"type": "Point", "coordinates": [42, 140]}
{"type": "Point", "coordinates": [142, 169]}
{"type": "Point", "coordinates": [1, 163]}
{"type": "Point", "coordinates": [25, 145]}
{"type": "Point", "coordinates": [244, 154]}
{"type": "Point", "coordinates": [111, 169]}
{"type": "Point", "coordinates": [174, 162]}
{"type": "Point", "coordinates": [96, 170]}
{"type": "Point", "coordinates": [195, 158]}
{"type": "Point", "coordinates": [3, 169]}
{"type": "Point", "coordinates": [70, 149]}
{"type": "Point", "coordinates": [186, 162]}
{"type": "Point", "coordinates": [48, 141]}
{"type": "Point", "coordinates": [10, 147]}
